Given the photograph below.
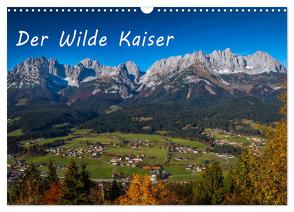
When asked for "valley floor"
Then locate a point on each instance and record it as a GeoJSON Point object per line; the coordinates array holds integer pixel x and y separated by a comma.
{"type": "Point", "coordinates": [119, 155]}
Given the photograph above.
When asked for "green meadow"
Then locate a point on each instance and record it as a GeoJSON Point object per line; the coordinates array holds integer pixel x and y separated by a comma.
{"type": "Point", "coordinates": [119, 144]}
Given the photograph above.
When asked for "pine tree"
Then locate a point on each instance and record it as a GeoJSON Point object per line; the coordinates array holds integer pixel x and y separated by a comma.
{"type": "Point", "coordinates": [210, 189]}
{"type": "Point", "coordinates": [86, 182]}
{"type": "Point", "coordinates": [52, 175]}
{"type": "Point", "coordinates": [72, 194]}
{"type": "Point", "coordinates": [114, 191]}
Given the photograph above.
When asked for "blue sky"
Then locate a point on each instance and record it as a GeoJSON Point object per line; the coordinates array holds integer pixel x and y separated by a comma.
{"type": "Point", "coordinates": [244, 33]}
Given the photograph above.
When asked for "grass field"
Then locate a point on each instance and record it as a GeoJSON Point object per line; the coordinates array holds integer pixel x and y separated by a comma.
{"type": "Point", "coordinates": [15, 133]}
{"type": "Point", "coordinates": [26, 143]}
{"type": "Point", "coordinates": [155, 153]}
{"type": "Point", "coordinates": [221, 135]}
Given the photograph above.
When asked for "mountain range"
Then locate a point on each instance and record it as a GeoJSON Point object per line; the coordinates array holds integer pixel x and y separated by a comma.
{"type": "Point", "coordinates": [180, 94]}
{"type": "Point", "coordinates": [221, 72]}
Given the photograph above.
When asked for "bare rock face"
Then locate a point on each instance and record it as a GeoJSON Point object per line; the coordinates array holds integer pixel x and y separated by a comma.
{"type": "Point", "coordinates": [225, 62]}
{"type": "Point", "coordinates": [261, 62]}
{"type": "Point", "coordinates": [211, 70]}
{"type": "Point", "coordinates": [219, 71]}
{"type": "Point", "coordinates": [37, 72]}
{"type": "Point", "coordinates": [133, 70]}
{"type": "Point", "coordinates": [47, 73]}
{"type": "Point", "coordinates": [219, 62]}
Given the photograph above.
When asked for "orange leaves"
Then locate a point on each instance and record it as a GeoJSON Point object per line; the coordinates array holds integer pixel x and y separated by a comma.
{"type": "Point", "coordinates": [141, 191]}
{"type": "Point", "coordinates": [53, 195]}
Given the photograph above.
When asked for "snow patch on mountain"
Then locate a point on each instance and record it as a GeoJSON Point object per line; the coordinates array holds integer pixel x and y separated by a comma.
{"type": "Point", "coordinates": [172, 73]}
{"type": "Point", "coordinates": [218, 63]}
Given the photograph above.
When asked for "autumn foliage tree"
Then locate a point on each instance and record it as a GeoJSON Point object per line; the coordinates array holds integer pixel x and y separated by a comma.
{"type": "Point", "coordinates": [29, 189]}
{"type": "Point", "coordinates": [180, 193]}
{"type": "Point", "coordinates": [53, 195]}
{"type": "Point", "coordinates": [96, 195]}
{"type": "Point", "coordinates": [261, 175]}
{"type": "Point", "coordinates": [142, 191]}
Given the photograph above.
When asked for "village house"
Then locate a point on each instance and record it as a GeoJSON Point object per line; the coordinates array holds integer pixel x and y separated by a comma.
{"type": "Point", "coordinates": [194, 168]}
{"type": "Point", "coordinates": [129, 160]}
{"type": "Point", "coordinates": [139, 143]}
{"type": "Point", "coordinates": [172, 147]}
{"type": "Point", "coordinates": [156, 174]}
{"type": "Point", "coordinates": [92, 151]}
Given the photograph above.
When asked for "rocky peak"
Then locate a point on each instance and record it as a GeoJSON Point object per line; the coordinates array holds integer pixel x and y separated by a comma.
{"type": "Point", "coordinates": [89, 63]}
{"type": "Point", "coordinates": [132, 69]}
{"type": "Point", "coordinates": [216, 63]}
{"type": "Point", "coordinates": [49, 74]}
{"type": "Point", "coordinates": [260, 62]}
{"type": "Point", "coordinates": [228, 51]}
{"type": "Point", "coordinates": [125, 79]}
{"type": "Point", "coordinates": [31, 68]}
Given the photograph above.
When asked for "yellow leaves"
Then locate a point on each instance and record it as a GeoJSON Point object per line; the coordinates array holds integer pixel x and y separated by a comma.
{"type": "Point", "coordinates": [262, 178]}
{"type": "Point", "coordinates": [283, 99]}
{"type": "Point", "coordinates": [141, 191]}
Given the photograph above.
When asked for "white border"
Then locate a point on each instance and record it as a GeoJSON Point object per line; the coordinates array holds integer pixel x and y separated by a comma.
{"type": "Point", "coordinates": [141, 3]}
{"type": "Point", "coordinates": [147, 3]}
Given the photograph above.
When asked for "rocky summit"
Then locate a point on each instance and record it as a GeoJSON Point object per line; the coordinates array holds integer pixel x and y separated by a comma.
{"type": "Point", "coordinates": [217, 73]}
